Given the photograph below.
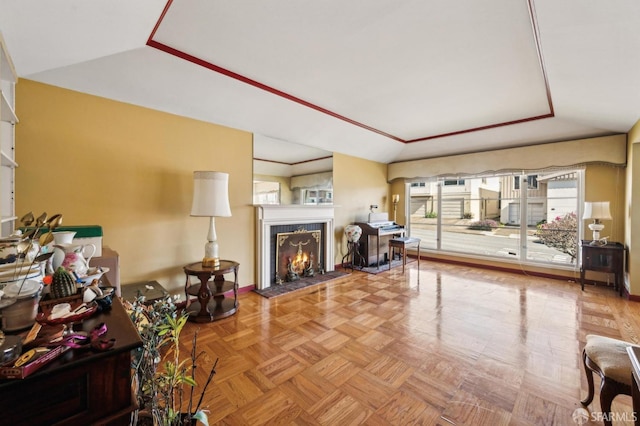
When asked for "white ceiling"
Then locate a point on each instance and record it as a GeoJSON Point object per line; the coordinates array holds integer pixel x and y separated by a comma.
{"type": "Point", "coordinates": [378, 79]}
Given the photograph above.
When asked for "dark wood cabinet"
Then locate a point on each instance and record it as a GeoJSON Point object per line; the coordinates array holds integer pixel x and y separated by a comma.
{"type": "Point", "coordinates": [603, 258]}
{"type": "Point", "coordinates": [82, 387]}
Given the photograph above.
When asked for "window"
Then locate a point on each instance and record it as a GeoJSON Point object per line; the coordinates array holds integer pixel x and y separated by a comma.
{"type": "Point", "coordinates": [532, 182]}
{"type": "Point", "coordinates": [266, 192]}
{"type": "Point", "coordinates": [488, 219]}
{"type": "Point", "coordinates": [417, 184]}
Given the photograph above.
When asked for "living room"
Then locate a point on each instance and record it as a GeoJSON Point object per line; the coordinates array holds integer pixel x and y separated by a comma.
{"type": "Point", "coordinates": [129, 168]}
{"type": "Point", "coordinates": [101, 144]}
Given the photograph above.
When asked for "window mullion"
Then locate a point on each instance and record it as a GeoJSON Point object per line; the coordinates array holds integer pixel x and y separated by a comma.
{"type": "Point", "coordinates": [439, 218]}
{"type": "Point", "coordinates": [523, 217]}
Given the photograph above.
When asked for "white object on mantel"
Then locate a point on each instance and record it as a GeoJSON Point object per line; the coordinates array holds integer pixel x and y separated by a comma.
{"type": "Point", "coordinates": [269, 215]}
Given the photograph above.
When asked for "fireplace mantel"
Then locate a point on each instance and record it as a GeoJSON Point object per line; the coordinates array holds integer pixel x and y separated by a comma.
{"type": "Point", "coordinates": [268, 215]}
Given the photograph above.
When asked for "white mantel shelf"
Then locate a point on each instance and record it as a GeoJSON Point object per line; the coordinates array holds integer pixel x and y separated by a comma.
{"type": "Point", "coordinates": [268, 215]}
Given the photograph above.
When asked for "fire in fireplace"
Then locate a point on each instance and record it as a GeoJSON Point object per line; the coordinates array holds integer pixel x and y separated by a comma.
{"type": "Point", "coordinates": [297, 254]}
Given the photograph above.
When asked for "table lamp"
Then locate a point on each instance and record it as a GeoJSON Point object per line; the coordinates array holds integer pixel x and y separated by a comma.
{"type": "Point", "coordinates": [395, 198]}
{"type": "Point", "coordinates": [597, 211]}
{"type": "Point", "coordinates": [211, 199]}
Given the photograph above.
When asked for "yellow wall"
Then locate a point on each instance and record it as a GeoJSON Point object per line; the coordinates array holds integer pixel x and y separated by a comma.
{"type": "Point", "coordinates": [130, 170]}
{"type": "Point", "coordinates": [357, 183]}
{"type": "Point", "coordinates": [606, 183]}
{"type": "Point", "coordinates": [632, 218]}
{"type": "Point", "coordinates": [397, 187]}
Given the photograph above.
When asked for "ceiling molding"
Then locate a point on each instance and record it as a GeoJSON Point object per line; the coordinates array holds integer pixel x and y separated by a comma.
{"type": "Point", "coordinates": [151, 42]}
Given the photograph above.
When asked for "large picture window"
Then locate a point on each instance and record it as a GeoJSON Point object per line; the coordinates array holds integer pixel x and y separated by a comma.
{"type": "Point", "coordinates": [525, 217]}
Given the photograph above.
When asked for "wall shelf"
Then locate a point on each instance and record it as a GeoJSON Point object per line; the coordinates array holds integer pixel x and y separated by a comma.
{"type": "Point", "coordinates": [7, 161]}
{"type": "Point", "coordinates": [6, 110]}
{"type": "Point", "coordinates": [7, 219]}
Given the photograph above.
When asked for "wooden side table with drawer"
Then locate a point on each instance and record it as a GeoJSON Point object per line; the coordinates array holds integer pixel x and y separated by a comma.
{"type": "Point", "coordinates": [603, 258]}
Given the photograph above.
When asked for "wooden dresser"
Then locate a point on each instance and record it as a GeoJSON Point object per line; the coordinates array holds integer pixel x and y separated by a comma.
{"type": "Point", "coordinates": [82, 387]}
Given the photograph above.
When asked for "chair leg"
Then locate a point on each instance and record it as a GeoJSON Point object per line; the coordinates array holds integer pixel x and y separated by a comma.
{"type": "Point", "coordinates": [589, 374]}
{"type": "Point", "coordinates": [607, 393]}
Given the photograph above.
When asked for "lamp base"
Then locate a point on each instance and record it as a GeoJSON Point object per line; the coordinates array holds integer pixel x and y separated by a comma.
{"type": "Point", "coordinates": [596, 228]}
{"type": "Point", "coordinates": [211, 262]}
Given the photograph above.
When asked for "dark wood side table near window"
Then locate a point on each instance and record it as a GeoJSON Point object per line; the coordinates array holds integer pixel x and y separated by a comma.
{"type": "Point", "coordinates": [212, 304]}
{"type": "Point", "coordinates": [603, 258]}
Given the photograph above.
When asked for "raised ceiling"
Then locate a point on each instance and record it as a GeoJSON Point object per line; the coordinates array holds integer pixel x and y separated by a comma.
{"type": "Point", "coordinates": [378, 79]}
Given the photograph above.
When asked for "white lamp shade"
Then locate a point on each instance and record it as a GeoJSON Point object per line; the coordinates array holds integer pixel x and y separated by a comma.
{"type": "Point", "coordinates": [210, 194]}
{"type": "Point", "coordinates": [597, 210]}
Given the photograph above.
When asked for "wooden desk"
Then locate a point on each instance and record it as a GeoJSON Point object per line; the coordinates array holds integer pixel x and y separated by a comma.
{"type": "Point", "coordinates": [603, 258]}
{"type": "Point", "coordinates": [634, 355]}
{"type": "Point", "coordinates": [81, 387]}
{"type": "Point", "coordinates": [212, 304]}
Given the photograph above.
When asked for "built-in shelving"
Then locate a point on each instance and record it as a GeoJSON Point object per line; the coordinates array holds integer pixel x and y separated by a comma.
{"type": "Point", "coordinates": [8, 120]}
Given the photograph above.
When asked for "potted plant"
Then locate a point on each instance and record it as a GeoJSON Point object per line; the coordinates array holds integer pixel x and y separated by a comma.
{"type": "Point", "coordinates": [161, 376]}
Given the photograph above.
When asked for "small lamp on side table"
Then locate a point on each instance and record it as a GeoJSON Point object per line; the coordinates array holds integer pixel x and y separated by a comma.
{"type": "Point", "coordinates": [598, 210]}
{"type": "Point", "coordinates": [211, 199]}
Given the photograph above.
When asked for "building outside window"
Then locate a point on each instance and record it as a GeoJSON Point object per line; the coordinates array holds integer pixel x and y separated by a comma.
{"type": "Point", "coordinates": [482, 216]}
{"type": "Point", "coordinates": [532, 182]}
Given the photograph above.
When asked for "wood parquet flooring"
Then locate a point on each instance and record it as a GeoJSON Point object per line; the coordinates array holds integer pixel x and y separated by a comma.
{"type": "Point", "coordinates": [446, 345]}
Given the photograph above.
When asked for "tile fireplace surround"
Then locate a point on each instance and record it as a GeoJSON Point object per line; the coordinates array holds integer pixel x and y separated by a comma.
{"type": "Point", "coordinates": [268, 215]}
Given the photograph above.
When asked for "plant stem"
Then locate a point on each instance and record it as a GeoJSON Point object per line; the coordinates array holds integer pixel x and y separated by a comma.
{"type": "Point", "coordinates": [193, 370]}
{"type": "Point", "coordinates": [211, 374]}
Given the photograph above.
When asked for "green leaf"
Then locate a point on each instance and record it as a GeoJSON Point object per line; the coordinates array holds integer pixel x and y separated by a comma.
{"type": "Point", "coordinates": [202, 417]}
{"type": "Point", "coordinates": [189, 380]}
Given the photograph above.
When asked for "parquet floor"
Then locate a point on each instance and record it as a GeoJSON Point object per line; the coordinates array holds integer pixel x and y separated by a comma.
{"type": "Point", "coordinates": [446, 345]}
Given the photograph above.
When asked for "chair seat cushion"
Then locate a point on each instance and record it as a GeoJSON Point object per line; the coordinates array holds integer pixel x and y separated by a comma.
{"type": "Point", "coordinates": [611, 356]}
{"type": "Point", "coordinates": [404, 240]}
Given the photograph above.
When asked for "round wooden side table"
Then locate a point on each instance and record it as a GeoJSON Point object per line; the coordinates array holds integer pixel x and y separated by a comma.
{"type": "Point", "coordinates": [212, 303]}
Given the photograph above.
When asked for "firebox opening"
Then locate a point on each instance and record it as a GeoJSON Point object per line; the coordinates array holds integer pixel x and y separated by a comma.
{"type": "Point", "coordinates": [297, 255]}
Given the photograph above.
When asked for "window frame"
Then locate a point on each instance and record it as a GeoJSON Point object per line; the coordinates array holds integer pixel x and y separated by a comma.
{"type": "Point", "coordinates": [524, 198]}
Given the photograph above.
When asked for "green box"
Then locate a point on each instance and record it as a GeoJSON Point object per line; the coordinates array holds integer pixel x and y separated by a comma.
{"type": "Point", "coordinates": [82, 231]}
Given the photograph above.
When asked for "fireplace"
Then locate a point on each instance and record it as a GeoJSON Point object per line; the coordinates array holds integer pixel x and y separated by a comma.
{"type": "Point", "coordinates": [298, 255]}
{"type": "Point", "coordinates": [293, 226]}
